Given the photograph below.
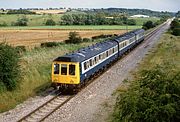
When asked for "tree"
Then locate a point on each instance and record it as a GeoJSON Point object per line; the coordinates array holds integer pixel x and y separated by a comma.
{"type": "Point", "coordinates": [175, 27]}
{"type": "Point", "coordinates": [21, 21]}
{"type": "Point", "coordinates": [9, 68]}
{"type": "Point", "coordinates": [147, 25]}
{"type": "Point", "coordinates": [74, 38]}
{"type": "Point", "coordinates": [154, 97]}
{"type": "Point", "coordinates": [50, 22]}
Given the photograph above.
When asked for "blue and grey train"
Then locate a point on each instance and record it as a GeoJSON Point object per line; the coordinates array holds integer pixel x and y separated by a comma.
{"type": "Point", "coordinates": [72, 70]}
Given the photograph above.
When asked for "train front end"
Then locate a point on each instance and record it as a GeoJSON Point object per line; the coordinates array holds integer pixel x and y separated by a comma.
{"type": "Point", "coordinates": [65, 74]}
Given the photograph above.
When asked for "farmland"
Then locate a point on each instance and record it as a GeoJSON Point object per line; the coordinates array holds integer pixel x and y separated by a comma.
{"type": "Point", "coordinates": [32, 38]}
{"type": "Point", "coordinates": [36, 64]}
{"type": "Point", "coordinates": [33, 20]}
{"type": "Point", "coordinates": [40, 19]}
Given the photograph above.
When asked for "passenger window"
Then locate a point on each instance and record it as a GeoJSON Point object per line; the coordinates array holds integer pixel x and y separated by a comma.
{"type": "Point", "coordinates": [72, 69]}
{"type": "Point", "coordinates": [95, 59]}
{"type": "Point", "coordinates": [85, 65]}
{"type": "Point", "coordinates": [100, 57]}
{"type": "Point", "coordinates": [90, 62]}
{"type": "Point", "coordinates": [63, 69]}
{"type": "Point", "coordinates": [106, 53]}
{"type": "Point", "coordinates": [56, 68]}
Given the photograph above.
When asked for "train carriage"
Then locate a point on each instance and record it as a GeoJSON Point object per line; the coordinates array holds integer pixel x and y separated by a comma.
{"type": "Point", "coordinates": [72, 70]}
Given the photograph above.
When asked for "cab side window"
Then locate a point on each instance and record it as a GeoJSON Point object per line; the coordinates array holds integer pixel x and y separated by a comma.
{"type": "Point", "coordinates": [56, 68]}
{"type": "Point", "coordinates": [72, 69]}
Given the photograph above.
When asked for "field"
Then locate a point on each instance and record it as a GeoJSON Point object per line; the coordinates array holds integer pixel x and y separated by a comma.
{"type": "Point", "coordinates": [49, 11]}
{"type": "Point", "coordinates": [140, 21]}
{"type": "Point", "coordinates": [36, 64]}
{"type": "Point", "coordinates": [33, 20]}
{"type": "Point", "coordinates": [40, 19]}
{"type": "Point", "coordinates": [32, 38]}
{"type": "Point", "coordinates": [77, 27]}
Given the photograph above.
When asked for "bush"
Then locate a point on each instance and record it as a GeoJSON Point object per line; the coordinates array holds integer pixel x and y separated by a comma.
{"type": "Point", "coordinates": [49, 44]}
{"type": "Point", "coordinates": [176, 31]}
{"type": "Point", "coordinates": [175, 27]}
{"type": "Point", "coordinates": [147, 25]}
{"type": "Point", "coordinates": [21, 22]}
{"type": "Point", "coordinates": [130, 22]}
{"type": "Point", "coordinates": [21, 49]}
{"type": "Point", "coordinates": [20, 11]}
{"type": "Point", "coordinates": [86, 40]}
{"type": "Point", "coordinates": [9, 68]}
{"type": "Point", "coordinates": [154, 97]}
{"type": "Point", "coordinates": [50, 22]}
{"type": "Point", "coordinates": [74, 38]}
{"type": "Point", "coordinates": [102, 36]}
{"type": "Point", "coordinates": [3, 24]}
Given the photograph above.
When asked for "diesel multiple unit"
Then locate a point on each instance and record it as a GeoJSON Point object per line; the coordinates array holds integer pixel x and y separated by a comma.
{"type": "Point", "coordinates": [74, 69]}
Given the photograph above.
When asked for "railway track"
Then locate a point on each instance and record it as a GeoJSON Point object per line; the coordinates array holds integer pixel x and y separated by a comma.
{"type": "Point", "coordinates": [46, 109]}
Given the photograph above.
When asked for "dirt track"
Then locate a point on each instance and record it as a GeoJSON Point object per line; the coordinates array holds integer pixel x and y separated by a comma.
{"type": "Point", "coordinates": [33, 38]}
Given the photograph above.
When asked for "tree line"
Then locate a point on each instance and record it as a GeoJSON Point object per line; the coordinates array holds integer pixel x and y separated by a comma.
{"type": "Point", "coordinates": [95, 19]}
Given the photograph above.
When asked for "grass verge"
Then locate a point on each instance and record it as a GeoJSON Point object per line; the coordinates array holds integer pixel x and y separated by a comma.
{"type": "Point", "coordinates": [36, 76]}
{"type": "Point", "coordinates": [165, 55]}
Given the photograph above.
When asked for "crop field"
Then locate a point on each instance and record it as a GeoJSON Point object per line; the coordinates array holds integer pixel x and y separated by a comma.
{"type": "Point", "coordinates": [32, 38]}
{"type": "Point", "coordinates": [49, 11]}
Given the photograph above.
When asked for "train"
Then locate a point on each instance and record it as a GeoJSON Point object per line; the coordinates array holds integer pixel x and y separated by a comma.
{"type": "Point", "coordinates": [74, 69]}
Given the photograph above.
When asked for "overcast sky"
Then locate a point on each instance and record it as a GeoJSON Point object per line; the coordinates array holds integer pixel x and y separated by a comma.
{"type": "Point", "coordinates": [159, 5]}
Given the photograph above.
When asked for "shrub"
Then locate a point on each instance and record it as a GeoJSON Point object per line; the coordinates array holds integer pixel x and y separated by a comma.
{"type": "Point", "coordinates": [147, 25]}
{"type": "Point", "coordinates": [102, 36]}
{"type": "Point", "coordinates": [175, 27]}
{"type": "Point", "coordinates": [49, 44]}
{"type": "Point", "coordinates": [21, 22]}
{"type": "Point", "coordinates": [74, 38]}
{"type": "Point", "coordinates": [176, 31]}
{"type": "Point", "coordinates": [3, 24]}
{"type": "Point", "coordinates": [50, 22]}
{"type": "Point", "coordinates": [86, 39]}
{"type": "Point", "coordinates": [9, 68]}
{"type": "Point", "coordinates": [154, 97]}
{"type": "Point", "coordinates": [21, 49]}
{"type": "Point", "coordinates": [130, 22]}
{"type": "Point", "coordinates": [20, 11]}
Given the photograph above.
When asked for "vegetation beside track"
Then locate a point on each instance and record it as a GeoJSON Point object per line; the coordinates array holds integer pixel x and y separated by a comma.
{"type": "Point", "coordinates": [36, 72]}
{"type": "Point", "coordinates": [153, 94]}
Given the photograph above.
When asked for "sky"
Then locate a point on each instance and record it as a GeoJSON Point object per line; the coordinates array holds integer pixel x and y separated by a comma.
{"type": "Point", "coordinates": [157, 5]}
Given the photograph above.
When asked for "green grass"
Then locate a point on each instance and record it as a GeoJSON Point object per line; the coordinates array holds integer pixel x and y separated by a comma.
{"type": "Point", "coordinates": [36, 73]}
{"type": "Point", "coordinates": [156, 77]}
{"type": "Point", "coordinates": [34, 20]}
{"type": "Point", "coordinates": [167, 51]}
{"type": "Point", "coordinates": [140, 21]}
{"type": "Point", "coordinates": [37, 22]}
{"type": "Point", "coordinates": [76, 27]}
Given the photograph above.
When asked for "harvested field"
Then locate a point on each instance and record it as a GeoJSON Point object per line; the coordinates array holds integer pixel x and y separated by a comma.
{"type": "Point", "coordinates": [32, 38]}
{"type": "Point", "coordinates": [49, 11]}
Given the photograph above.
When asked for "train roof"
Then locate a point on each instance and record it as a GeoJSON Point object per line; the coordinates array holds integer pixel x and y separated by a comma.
{"type": "Point", "coordinates": [87, 52]}
{"type": "Point", "coordinates": [90, 51]}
